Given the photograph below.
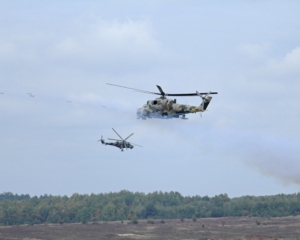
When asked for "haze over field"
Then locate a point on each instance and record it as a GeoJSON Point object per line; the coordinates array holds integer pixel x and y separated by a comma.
{"type": "Point", "coordinates": [247, 143]}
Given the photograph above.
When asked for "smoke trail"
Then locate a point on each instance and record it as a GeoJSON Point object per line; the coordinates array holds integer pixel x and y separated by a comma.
{"type": "Point", "coordinates": [271, 156]}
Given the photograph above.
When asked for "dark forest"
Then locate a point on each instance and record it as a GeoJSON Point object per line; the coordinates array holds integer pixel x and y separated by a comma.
{"type": "Point", "coordinates": [125, 205]}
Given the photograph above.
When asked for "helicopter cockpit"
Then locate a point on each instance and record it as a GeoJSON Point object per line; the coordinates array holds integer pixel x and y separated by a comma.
{"type": "Point", "coordinates": [154, 102]}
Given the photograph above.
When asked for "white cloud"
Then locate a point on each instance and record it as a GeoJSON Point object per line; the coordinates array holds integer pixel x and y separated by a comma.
{"type": "Point", "coordinates": [289, 65]}
{"type": "Point", "coordinates": [254, 52]}
{"type": "Point", "coordinates": [109, 44]}
{"type": "Point", "coordinates": [104, 45]}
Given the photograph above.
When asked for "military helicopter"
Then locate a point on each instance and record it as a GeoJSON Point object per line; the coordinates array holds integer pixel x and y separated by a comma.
{"type": "Point", "coordinates": [119, 143]}
{"type": "Point", "coordinates": [165, 108]}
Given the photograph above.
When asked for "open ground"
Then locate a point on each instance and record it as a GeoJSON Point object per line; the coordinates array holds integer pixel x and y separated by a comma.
{"type": "Point", "coordinates": [207, 228]}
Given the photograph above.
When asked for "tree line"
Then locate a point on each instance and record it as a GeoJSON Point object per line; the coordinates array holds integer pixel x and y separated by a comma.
{"type": "Point", "coordinates": [125, 205]}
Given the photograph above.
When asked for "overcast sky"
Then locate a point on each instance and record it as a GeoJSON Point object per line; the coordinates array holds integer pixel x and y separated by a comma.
{"type": "Point", "coordinates": [247, 143]}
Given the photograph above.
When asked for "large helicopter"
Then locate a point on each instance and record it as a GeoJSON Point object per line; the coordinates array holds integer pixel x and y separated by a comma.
{"type": "Point", "coordinates": [165, 108]}
{"type": "Point", "coordinates": [119, 143]}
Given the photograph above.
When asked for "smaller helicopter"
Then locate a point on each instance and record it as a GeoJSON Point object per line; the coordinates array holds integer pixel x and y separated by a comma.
{"type": "Point", "coordinates": [119, 143]}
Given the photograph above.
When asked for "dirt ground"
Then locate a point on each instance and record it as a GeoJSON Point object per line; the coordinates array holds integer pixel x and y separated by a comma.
{"type": "Point", "coordinates": [208, 228]}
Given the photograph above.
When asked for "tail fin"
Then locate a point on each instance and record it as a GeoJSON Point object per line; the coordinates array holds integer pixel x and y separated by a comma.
{"type": "Point", "coordinates": [101, 140]}
{"type": "Point", "coordinates": [205, 102]}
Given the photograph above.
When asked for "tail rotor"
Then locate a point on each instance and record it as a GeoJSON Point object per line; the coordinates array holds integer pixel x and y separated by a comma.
{"type": "Point", "coordinates": [206, 98]}
{"type": "Point", "coordinates": [100, 140]}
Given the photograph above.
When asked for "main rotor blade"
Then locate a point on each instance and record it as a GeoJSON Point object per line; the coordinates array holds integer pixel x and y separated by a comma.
{"type": "Point", "coordinates": [188, 94]}
{"type": "Point", "coordinates": [118, 134]}
{"type": "Point", "coordinates": [161, 91]}
{"type": "Point", "coordinates": [129, 136]}
{"type": "Point", "coordinates": [138, 90]}
{"type": "Point", "coordinates": [135, 144]}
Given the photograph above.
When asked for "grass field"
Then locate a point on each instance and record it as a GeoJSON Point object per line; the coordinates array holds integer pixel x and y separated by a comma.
{"type": "Point", "coordinates": [208, 228]}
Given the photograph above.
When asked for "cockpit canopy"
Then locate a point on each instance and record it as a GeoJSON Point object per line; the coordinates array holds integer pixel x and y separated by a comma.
{"type": "Point", "coordinates": [154, 102]}
{"type": "Point", "coordinates": [159, 101]}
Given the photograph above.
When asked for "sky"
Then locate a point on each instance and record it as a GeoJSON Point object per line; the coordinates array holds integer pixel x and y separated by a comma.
{"type": "Point", "coordinates": [247, 143]}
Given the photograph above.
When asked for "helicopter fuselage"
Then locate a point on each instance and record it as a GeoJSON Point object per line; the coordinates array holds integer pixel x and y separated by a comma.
{"type": "Point", "coordinates": [167, 108]}
{"type": "Point", "coordinates": [119, 144]}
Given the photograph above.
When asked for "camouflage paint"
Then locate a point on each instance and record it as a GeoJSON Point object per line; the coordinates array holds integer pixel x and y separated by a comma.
{"type": "Point", "coordinates": [166, 108]}
{"type": "Point", "coordinates": [118, 144]}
